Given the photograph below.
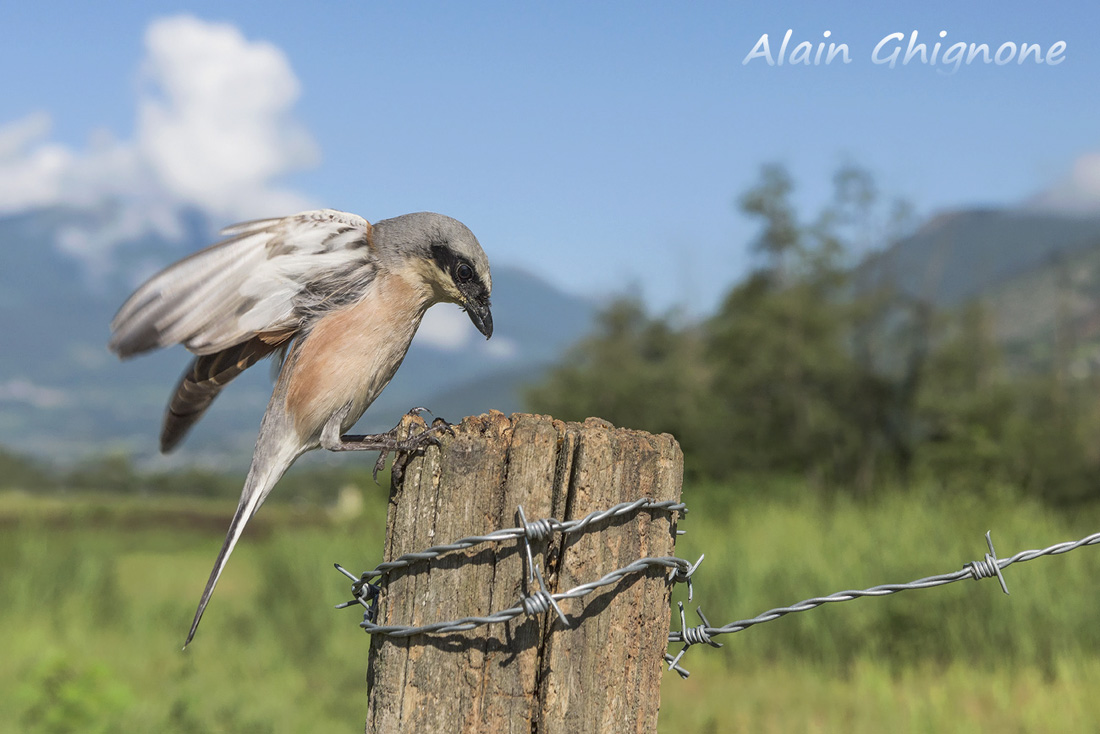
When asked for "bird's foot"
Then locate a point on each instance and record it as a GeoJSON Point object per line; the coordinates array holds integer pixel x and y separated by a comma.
{"type": "Point", "coordinates": [392, 441]}
{"type": "Point", "coordinates": [404, 449]}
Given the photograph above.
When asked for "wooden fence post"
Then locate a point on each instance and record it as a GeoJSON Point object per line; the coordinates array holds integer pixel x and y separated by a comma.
{"type": "Point", "coordinates": [533, 674]}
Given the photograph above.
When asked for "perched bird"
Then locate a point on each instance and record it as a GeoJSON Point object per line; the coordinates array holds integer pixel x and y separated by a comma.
{"type": "Point", "coordinates": [334, 299]}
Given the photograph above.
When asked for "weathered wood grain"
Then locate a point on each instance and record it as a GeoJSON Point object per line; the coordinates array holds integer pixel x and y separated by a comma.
{"type": "Point", "coordinates": [532, 675]}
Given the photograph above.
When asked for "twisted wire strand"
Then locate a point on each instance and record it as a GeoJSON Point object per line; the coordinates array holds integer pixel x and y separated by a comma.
{"type": "Point", "coordinates": [536, 530]}
{"type": "Point", "coordinates": [987, 568]}
{"type": "Point", "coordinates": [679, 570]}
{"type": "Point", "coordinates": [540, 601]}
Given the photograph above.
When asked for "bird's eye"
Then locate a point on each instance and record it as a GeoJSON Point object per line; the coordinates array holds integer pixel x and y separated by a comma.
{"type": "Point", "coordinates": [463, 272]}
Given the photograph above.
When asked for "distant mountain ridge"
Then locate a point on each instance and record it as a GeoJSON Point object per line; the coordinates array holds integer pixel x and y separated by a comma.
{"type": "Point", "coordinates": [62, 394]}
{"type": "Point", "coordinates": [960, 254]}
{"type": "Point", "coordinates": [1038, 274]}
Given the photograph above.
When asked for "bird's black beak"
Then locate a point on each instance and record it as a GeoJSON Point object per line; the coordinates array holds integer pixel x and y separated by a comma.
{"type": "Point", "coordinates": [479, 313]}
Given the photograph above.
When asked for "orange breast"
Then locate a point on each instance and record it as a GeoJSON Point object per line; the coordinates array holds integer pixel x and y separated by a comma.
{"type": "Point", "coordinates": [351, 354]}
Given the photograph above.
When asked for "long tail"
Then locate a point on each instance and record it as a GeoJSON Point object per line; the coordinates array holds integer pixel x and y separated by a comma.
{"type": "Point", "coordinates": [268, 465]}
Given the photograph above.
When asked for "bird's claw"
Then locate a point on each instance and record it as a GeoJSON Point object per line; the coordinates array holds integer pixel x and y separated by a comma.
{"type": "Point", "coordinates": [443, 426]}
{"type": "Point", "coordinates": [404, 448]}
{"type": "Point", "coordinates": [380, 464]}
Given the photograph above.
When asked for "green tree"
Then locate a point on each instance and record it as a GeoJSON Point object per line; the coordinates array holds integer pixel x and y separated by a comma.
{"type": "Point", "coordinates": [635, 371]}
{"type": "Point", "coordinates": [1053, 439]}
{"type": "Point", "coordinates": [809, 367]}
{"type": "Point", "coordinates": [782, 347]}
{"type": "Point", "coordinates": [964, 406]}
{"type": "Point", "coordinates": [769, 383]}
{"type": "Point", "coordinates": [781, 237]}
{"type": "Point", "coordinates": [21, 472]}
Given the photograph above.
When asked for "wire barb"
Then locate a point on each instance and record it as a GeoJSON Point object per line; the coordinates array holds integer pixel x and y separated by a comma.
{"type": "Point", "coordinates": [368, 599]}
{"type": "Point", "coordinates": [542, 600]}
{"type": "Point", "coordinates": [534, 531]}
{"type": "Point", "coordinates": [565, 528]}
{"type": "Point", "coordinates": [697, 635]}
{"type": "Point", "coordinates": [680, 574]}
{"type": "Point", "coordinates": [990, 566]}
{"type": "Point", "coordinates": [366, 593]}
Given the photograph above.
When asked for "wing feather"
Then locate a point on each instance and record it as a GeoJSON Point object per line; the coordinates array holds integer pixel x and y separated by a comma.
{"type": "Point", "coordinates": [254, 281]}
{"type": "Point", "coordinates": [204, 379]}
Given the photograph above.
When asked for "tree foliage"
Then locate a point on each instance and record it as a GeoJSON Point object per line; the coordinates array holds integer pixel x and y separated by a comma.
{"type": "Point", "coordinates": [635, 370]}
{"type": "Point", "coordinates": [805, 370]}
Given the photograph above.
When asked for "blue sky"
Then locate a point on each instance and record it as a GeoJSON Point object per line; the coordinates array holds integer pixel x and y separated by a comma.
{"type": "Point", "coordinates": [600, 145]}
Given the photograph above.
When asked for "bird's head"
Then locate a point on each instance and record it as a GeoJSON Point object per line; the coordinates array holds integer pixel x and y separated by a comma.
{"type": "Point", "coordinates": [445, 257]}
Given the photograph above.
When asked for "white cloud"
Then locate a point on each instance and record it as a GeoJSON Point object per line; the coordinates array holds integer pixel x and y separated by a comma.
{"type": "Point", "coordinates": [214, 131]}
{"type": "Point", "coordinates": [216, 128]}
{"type": "Point", "coordinates": [501, 348]}
{"type": "Point", "coordinates": [25, 391]}
{"type": "Point", "coordinates": [445, 327]}
{"type": "Point", "coordinates": [1077, 192]}
{"type": "Point", "coordinates": [31, 169]}
{"type": "Point", "coordinates": [18, 135]}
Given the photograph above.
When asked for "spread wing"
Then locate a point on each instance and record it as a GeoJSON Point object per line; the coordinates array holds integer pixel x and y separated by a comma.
{"type": "Point", "coordinates": [265, 281]}
{"type": "Point", "coordinates": [202, 382]}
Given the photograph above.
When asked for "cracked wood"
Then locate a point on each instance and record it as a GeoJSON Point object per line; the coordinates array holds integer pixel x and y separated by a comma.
{"type": "Point", "coordinates": [532, 675]}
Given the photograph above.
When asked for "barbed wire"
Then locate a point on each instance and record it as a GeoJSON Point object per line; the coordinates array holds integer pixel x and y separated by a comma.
{"type": "Point", "coordinates": [988, 567]}
{"type": "Point", "coordinates": [536, 603]}
{"type": "Point", "coordinates": [537, 530]}
{"type": "Point", "coordinates": [365, 593]}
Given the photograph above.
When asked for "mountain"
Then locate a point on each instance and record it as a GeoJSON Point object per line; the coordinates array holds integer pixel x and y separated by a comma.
{"type": "Point", "coordinates": [1038, 274]}
{"type": "Point", "coordinates": [63, 395]}
{"type": "Point", "coordinates": [958, 255]}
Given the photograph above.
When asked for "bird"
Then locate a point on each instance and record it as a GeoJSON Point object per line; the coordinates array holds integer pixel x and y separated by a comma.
{"type": "Point", "coordinates": [333, 300]}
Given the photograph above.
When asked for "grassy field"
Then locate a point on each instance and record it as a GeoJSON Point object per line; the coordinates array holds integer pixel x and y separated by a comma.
{"type": "Point", "coordinates": [96, 595]}
{"type": "Point", "coordinates": [959, 658]}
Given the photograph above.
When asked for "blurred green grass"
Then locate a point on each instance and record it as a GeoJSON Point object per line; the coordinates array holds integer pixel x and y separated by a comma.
{"type": "Point", "coordinates": [958, 658]}
{"type": "Point", "coordinates": [97, 599]}
{"type": "Point", "coordinates": [97, 593]}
